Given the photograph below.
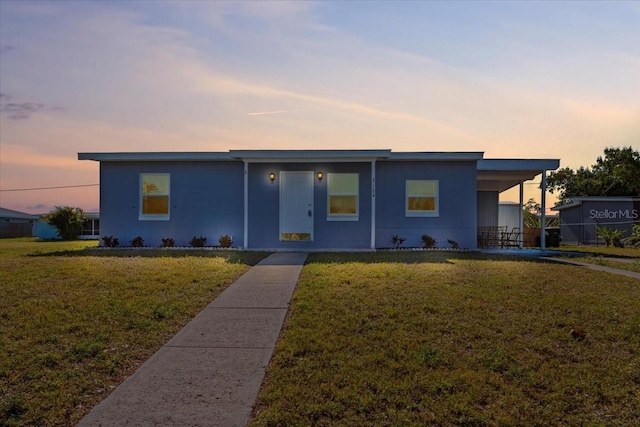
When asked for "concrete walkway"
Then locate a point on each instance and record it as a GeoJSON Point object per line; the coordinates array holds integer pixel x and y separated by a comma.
{"type": "Point", "coordinates": [595, 267]}
{"type": "Point", "coordinates": [210, 373]}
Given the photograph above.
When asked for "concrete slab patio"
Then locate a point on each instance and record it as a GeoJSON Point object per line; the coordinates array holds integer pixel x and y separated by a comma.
{"type": "Point", "coordinates": [209, 374]}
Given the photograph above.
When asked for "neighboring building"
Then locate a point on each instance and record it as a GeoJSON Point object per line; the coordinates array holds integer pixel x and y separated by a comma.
{"type": "Point", "coordinates": [305, 199]}
{"type": "Point", "coordinates": [91, 227]}
{"type": "Point", "coordinates": [579, 218]}
{"type": "Point", "coordinates": [90, 230]}
{"type": "Point", "coordinates": [16, 224]}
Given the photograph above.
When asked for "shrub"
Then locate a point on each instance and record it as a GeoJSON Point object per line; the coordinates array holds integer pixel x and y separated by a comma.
{"type": "Point", "coordinates": [611, 236]}
{"type": "Point", "coordinates": [634, 239]}
{"type": "Point", "coordinates": [225, 241]}
{"type": "Point", "coordinates": [428, 241]}
{"type": "Point", "coordinates": [138, 242]}
{"type": "Point", "coordinates": [453, 244]}
{"type": "Point", "coordinates": [198, 242]}
{"type": "Point", "coordinates": [168, 243]}
{"type": "Point", "coordinates": [67, 220]}
{"type": "Point", "coordinates": [397, 241]}
{"type": "Point", "coordinates": [110, 241]}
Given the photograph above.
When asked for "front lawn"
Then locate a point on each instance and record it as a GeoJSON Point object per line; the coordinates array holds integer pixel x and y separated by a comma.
{"type": "Point", "coordinates": [602, 250]}
{"type": "Point", "coordinates": [414, 339]}
{"type": "Point", "coordinates": [611, 262]}
{"type": "Point", "coordinates": [74, 323]}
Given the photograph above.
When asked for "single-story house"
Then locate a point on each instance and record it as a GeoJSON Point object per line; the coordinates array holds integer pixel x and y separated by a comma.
{"type": "Point", "coordinates": [90, 228]}
{"type": "Point", "coordinates": [305, 199]}
{"type": "Point", "coordinates": [15, 223]}
{"type": "Point", "coordinates": [580, 217]}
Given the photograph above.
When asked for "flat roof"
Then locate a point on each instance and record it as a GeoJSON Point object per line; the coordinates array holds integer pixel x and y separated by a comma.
{"type": "Point", "coordinates": [577, 201]}
{"type": "Point", "coordinates": [283, 155]}
{"type": "Point", "coordinates": [155, 156]}
{"type": "Point", "coordinates": [502, 174]}
{"type": "Point", "coordinates": [493, 174]}
{"type": "Point", "coordinates": [303, 156]}
{"type": "Point", "coordinates": [438, 155]}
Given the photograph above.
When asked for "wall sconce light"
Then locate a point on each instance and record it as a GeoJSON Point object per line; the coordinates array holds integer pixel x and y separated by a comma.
{"type": "Point", "coordinates": [320, 176]}
{"type": "Point", "coordinates": [272, 176]}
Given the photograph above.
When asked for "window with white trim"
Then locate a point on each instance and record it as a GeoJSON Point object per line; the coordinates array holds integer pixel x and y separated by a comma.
{"type": "Point", "coordinates": [154, 196]}
{"type": "Point", "coordinates": [342, 197]}
{"type": "Point", "coordinates": [422, 198]}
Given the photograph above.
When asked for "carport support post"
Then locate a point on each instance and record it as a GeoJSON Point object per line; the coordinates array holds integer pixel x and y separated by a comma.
{"type": "Point", "coordinates": [543, 218]}
{"type": "Point", "coordinates": [521, 216]}
{"type": "Point", "coordinates": [373, 204]}
{"type": "Point", "coordinates": [246, 205]}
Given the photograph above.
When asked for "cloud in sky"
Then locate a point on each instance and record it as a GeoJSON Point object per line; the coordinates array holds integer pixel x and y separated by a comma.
{"type": "Point", "coordinates": [511, 79]}
{"type": "Point", "coordinates": [21, 110]}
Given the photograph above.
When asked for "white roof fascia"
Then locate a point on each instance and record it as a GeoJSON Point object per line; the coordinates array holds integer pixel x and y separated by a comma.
{"type": "Point", "coordinates": [438, 156]}
{"type": "Point", "coordinates": [156, 156]}
{"type": "Point", "coordinates": [306, 156]}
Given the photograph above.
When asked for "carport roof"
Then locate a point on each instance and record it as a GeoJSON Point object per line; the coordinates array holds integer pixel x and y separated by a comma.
{"type": "Point", "coordinates": [502, 174]}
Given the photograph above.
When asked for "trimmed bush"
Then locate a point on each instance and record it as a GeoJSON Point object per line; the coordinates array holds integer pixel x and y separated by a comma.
{"type": "Point", "coordinates": [198, 242]}
{"type": "Point", "coordinates": [168, 243]}
{"type": "Point", "coordinates": [225, 241]}
{"type": "Point", "coordinates": [428, 241]}
{"type": "Point", "coordinates": [110, 241]}
{"type": "Point", "coordinates": [397, 241]}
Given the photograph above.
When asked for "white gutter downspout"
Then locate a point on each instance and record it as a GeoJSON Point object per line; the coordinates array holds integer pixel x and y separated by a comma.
{"type": "Point", "coordinates": [543, 218]}
{"type": "Point", "coordinates": [521, 216]}
{"type": "Point", "coordinates": [246, 205]}
{"type": "Point", "coordinates": [373, 204]}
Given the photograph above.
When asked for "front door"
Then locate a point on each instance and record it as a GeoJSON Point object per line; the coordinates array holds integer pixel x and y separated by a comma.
{"type": "Point", "coordinates": [296, 206]}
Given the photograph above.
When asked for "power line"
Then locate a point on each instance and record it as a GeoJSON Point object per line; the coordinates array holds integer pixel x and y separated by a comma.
{"type": "Point", "coordinates": [52, 188]}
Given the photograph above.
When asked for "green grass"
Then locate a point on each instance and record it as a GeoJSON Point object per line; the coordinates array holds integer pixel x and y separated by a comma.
{"type": "Point", "coordinates": [617, 263]}
{"type": "Point", "coordinates": [602, 250]}
{"type": "Point", "coordinates": [414, 339]}
{"type": "Point", "coordinates": [12, 248]}
{"type": "Point", "coordinates": [74, 323]}
{"type": "Point", "coordinates": [619, 258]}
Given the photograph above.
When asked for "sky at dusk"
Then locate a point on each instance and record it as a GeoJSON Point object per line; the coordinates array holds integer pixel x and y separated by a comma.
{"type": "Point", "coordinates": [512, 79]}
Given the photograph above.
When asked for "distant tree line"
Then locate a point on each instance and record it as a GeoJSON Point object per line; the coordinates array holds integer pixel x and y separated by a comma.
{"type": "Point", "coordinates": [615, 174]}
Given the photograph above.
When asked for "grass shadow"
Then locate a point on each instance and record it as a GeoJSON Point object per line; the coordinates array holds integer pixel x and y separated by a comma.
{"type": "Point", "coordinates": [231, 256]}
{"type": "Point", "coordinates": [414, 257]}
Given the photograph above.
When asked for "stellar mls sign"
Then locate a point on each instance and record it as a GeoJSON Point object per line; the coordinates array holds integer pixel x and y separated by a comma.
{"type": "Point", "coordinates": [614, 214]}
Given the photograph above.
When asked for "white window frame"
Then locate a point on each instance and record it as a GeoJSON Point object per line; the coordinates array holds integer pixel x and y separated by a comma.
{"type": "Point", "coordinates": [413, 213]}
{"type": "Point", "coordinates": [154, 217]}
{"type": "Point", "coordinates": [343, 217]}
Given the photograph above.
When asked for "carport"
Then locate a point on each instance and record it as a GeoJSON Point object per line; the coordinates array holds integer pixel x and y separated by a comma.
{"type": "Point", "coordinates": [498, 175]}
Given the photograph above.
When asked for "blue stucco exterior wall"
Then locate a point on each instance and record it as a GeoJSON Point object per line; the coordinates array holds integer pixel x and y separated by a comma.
{"type": "Point", "coordinates": [457, 218]}
{"type": "Point", "coordinates": [264, 206]}
{"type": "Point", "coordinates": [206, 199]}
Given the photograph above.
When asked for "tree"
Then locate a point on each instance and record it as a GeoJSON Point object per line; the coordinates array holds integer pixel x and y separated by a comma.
{"type": "Point", "coordinates": [67, 220]}
{"type": "Point", "coordinates": [532, 216]}
{"type": "Point", "coordinates": [615, 174]}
